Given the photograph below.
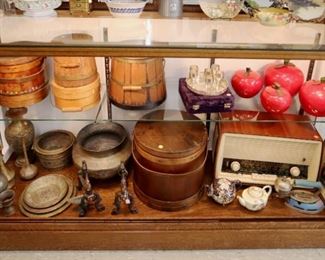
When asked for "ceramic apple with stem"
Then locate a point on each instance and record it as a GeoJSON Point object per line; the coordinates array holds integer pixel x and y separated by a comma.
{"type": "Point", "coordinates": [275, 99]}
{"type": "Point", "coordinates": [312, 97]}
{"type": "Point", "coordinates": [287, 75]}
{"type": "Point", "coordinates": [247, 83]}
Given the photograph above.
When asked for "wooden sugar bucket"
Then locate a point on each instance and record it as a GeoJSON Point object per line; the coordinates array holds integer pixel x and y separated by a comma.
{"type": "Point", "coordinates": [169, 160]}
{"type": "Point", "coordinates": [77, 98]}
{"type": "Point", "coordinates": [137, 83]}
{"type": "Point", "coordinates": [74, 71]}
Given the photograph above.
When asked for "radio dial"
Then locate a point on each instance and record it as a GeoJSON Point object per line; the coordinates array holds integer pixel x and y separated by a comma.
{"type": "Point", "coordinates": [235, 166]}
{"type": "Point", "coordinates": [294, 171]}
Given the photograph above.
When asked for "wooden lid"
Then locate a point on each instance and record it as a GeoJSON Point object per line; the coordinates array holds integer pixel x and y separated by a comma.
{"type": "Point", "coordinates": [268, 124]}
{"type": "Point", "coordinates": [170, 133]}
{"type": "Point", "coordinates": [7, 61]}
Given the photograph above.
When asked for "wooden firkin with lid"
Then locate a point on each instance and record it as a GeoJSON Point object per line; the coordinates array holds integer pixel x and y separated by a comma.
{"type": "Point", "coordinates": [169, 159]}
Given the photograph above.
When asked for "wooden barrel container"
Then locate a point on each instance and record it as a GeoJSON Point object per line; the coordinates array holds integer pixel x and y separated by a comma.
{"type": "Point", "coordinates": [22, 78]}
{"type": "Point", "coordinates": [24, 100]}
{"type": "Point", "coordinates": [24, 67]}
{"type": "Point", "coordinates": [74, 71]}
{"type": "Point", "coordinates": [169, 159]}
{"type": "Point", "coordinates": [77, 98]}
{"type": "Point", "coordinates": [23, 85]}
{"type": "Point", "coordinates": [137, 83]}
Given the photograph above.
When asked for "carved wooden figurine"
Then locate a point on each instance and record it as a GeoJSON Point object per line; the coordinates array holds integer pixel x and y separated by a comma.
{"type": "Point", "coordinates": [90, 197]}
{"type": "Point", "coordinates": [123, 195]}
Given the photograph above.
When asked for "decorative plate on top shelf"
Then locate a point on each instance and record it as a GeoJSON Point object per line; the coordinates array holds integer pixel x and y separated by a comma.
{"type": "Point", "coordinates": [37, 8]}
{"type": "Point", "coordinates": [259, 3]}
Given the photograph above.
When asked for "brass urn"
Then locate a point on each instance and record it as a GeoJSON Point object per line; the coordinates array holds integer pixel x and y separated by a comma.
{"type": "Point", "coordinates": [19, 131]}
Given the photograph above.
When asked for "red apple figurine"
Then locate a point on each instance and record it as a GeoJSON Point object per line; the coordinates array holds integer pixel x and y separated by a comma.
{"type": "Point", "coordinates": [312, 97]}
{"type": "Point", "coordinates": [275, 99]}
{"type": "Point", "coordinates": [287, 75]}
{"type": "Point", "coordinates": [247, 83]}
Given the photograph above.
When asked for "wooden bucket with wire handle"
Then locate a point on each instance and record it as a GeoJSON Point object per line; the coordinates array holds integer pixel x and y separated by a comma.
{"type": "Point", "coordinates": [137, 83]}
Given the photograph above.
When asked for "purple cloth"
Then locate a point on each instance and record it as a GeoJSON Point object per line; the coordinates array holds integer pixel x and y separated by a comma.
{"type": "Point", "coordinates": [195, 103]}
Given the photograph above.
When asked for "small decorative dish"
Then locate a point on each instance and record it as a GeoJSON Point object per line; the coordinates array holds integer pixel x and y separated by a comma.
{"type": "Point", "coordinates": [125, 8]}
{"type": "Point", "coordinates": [45, 191]}
{"type": "Point", "coordinates": [308, 11]}
{"type": "Point", "coordinates": [38, 8]}
{"type": "Point", "coordinates": [223, 9]}
{"type": "Point", "coordinates": [273, 16]}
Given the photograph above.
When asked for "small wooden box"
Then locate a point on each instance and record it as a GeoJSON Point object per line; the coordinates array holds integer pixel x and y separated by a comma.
{"type": "Point", "coordinates": [80, 6]}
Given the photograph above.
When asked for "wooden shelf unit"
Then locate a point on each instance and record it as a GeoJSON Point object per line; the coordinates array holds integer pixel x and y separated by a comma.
{"type": "Point", "coordinates": [206, 225]}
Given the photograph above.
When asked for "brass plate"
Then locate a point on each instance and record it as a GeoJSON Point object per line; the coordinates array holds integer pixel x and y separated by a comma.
{"type": "Point", "coordinates": [45, 191]}
{"type": "Point", "coordinates": [65, 205]}
{"type": "Point", "coordinates": [54, 207]}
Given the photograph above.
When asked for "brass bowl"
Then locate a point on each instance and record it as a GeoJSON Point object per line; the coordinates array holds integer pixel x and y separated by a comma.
{"type": "Point", "coordinates": [103, 146]}
{"type": "Point", "coordinates": [45, 191]}
{"type": "Point", "coordinates": [102, 138]}
{"type": "Point", "coordinates": [54, 149]}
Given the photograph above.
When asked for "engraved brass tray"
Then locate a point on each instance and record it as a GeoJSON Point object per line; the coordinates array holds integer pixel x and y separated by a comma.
{"type": "Point", "coordinates": [52, 210]}
{"type": "Point", "coordinates": [45, 191]}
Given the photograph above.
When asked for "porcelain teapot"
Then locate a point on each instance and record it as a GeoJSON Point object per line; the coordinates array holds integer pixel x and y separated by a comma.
{"type": "Point", "coordinates": [222, 191]}
{"type": "Point", "coordinates": [255, 198]}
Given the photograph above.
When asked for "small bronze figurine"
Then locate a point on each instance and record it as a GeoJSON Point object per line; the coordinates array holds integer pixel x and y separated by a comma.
{"type": "Point", "coordinates": [90, 197]}
{"type": "Point", "coordinates": [123, 195]}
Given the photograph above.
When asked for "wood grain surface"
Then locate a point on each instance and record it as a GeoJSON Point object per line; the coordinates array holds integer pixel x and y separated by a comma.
{"type": "Point", "coordinates": [205, 225]}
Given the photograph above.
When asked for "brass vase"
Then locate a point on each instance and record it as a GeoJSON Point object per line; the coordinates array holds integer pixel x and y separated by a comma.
{"type": "Point", "coordinates": [17, 131]}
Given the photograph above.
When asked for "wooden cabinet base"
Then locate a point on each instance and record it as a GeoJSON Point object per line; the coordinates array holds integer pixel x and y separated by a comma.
{"type": "Point", "coordinates": [104, 235]}
{"type": "Point", "coordinates": [205, 225]}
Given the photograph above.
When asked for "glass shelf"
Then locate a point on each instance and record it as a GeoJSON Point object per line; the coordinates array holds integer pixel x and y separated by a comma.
{"type": "Point", "coordinates": [158, 37]}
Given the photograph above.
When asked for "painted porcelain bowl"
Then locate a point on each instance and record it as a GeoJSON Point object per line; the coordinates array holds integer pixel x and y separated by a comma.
{"type": "Point", "coordinates": [37, 7]}
{"type": "Point", "coordinates": [308, 13]}
{"type": "Point", "coordinates": [221, 9]}
{"type": "Point", "coordinates": [273, 16]}
{"type": "Point", "coordinates": [125, 8]}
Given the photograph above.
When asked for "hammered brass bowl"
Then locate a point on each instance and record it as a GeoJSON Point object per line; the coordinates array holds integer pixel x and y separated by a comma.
{"type": "Point", "coordinates": [54, 149]}
{"type": "Point", "coordinates": [103, 146]}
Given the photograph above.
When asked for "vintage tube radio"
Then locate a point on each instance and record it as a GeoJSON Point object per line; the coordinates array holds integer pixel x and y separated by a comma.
{"type": "Point", "coordinates": [258, 148]}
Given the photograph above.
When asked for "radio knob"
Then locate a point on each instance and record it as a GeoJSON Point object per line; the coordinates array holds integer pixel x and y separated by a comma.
{"type": "Point", "coordinates": [235, 166]}
{"type": "Point", "coordinates": [294, 171]}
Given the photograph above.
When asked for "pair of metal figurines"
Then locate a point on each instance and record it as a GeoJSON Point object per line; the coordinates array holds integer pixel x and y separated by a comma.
{"type": "Point", "coordinates": [91, 198]}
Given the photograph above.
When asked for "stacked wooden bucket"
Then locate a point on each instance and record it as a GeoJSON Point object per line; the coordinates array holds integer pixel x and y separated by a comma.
{"type": "Point", "coordinates": [76, 84]}
{"type": "Point", "coordinates": [23, 81]}
{"type": "Point", "coordinates": [137, 83]}
{"type": "Point", "coordinates": [169, 160]}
